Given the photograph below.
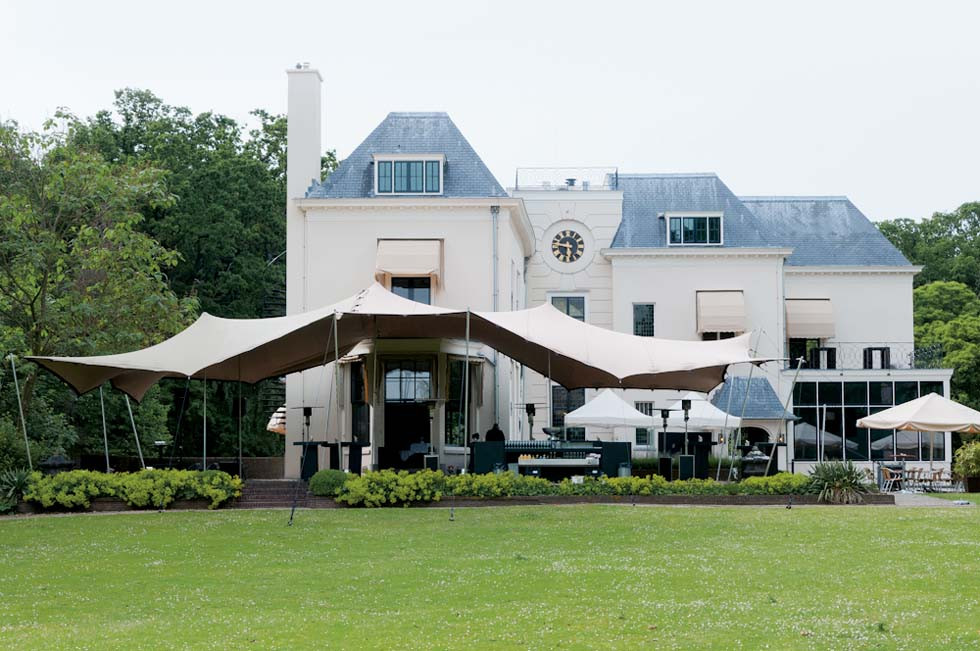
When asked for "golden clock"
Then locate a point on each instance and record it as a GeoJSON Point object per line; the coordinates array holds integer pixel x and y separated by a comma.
{"type": "Point", "coordinates": [567, 246]}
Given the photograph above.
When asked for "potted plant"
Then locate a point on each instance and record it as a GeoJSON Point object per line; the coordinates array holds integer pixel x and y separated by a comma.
{"type": "Point", "coordinates": [13, 483]}
{"type": "Point", "coordinates": [967, 465]}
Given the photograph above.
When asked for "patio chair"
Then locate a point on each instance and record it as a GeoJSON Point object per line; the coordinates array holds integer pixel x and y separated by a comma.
{"type": "Point", "coordinates": [890, 479]}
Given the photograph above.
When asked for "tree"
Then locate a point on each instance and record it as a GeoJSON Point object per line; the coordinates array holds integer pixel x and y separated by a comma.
{"type": "Point", "coordinates": [77, 276]}
{"type": "Point", "coordinates": [947, 315]}
{"type": "Point", "coordinates": [946, 244]}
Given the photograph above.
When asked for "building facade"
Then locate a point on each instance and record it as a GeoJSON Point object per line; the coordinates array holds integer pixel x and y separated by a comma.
{"type": "Point", "coordinates": [669, 255]}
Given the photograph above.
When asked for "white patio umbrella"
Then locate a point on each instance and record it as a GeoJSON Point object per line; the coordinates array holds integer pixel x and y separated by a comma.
{"type": "Point", "coordinates": [930, 413]}
{"type": "Point", "coordinates": [608, 410]}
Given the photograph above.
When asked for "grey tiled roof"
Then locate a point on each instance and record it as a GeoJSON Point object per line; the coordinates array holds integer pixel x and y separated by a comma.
{"type": "Point", "coordinates": [824, 231]}
{"type": "Point", "coordinates": [646, 196]}
{"type": "Point", "coordinates": [763, 403]}
{"type": "Point", "coordinates": [465, 174]}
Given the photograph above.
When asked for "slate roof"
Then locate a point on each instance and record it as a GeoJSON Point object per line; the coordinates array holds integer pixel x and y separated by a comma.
{"type": "Point", "coordinates": [824, 231]}
{"type": "Point", "coordinates": [465, 174]}
{"type": "Point", "coordinates": [763, 403]}
{"type": "Point", "coordinates": [646, 196]}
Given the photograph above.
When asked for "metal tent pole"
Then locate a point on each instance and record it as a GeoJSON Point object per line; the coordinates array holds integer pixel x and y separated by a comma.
{"type": "Point", "coordinates": [466, 398]}
{"type": "Point", "coordinates": [105, 435]}
{"type": "Point", "coordinates": [336, 382]}
{"type": "Point", "coordinates": [741, 418]}
{"type": "Point", "coordinates": [20, 410]}
{"type": "Point", "coordinates": [724, 429]}
{"type": "Point", "coordinates": [551, 407]}
{"type": "Point", "coordinates": [239, 415]}
{"type": "Point", "coordinates": [204, 447]}
{"type": "Point", "coordinates": [139, 448]}
{"type": "Point", "coordinates": [782, 426]}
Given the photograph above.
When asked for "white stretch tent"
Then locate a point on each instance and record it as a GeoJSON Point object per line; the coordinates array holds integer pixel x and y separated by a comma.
{"type": "Point", "coordinates": [930, 413]}
{"type": "Point", "coordinates": [572, 353]}
{"type": "Point", "coordinates": [703, 416]}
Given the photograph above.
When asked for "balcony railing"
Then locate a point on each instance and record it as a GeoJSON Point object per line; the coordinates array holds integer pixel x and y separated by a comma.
{"type": "Point", "coordinates": [868, 356]}
{"type": "Point", "coordinates": [566, 179]}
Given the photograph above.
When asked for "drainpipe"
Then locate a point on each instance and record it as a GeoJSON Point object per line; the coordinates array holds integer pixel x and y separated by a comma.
{"type": "Point", "coordinates": [495, 221]}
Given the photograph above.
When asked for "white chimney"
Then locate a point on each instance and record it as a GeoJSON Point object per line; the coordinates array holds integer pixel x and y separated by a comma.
{"type": "Point", "coordinates": [303, 133]}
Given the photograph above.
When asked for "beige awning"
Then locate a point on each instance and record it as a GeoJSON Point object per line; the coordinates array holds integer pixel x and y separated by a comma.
{"type": "Point", "coordinates": [930, 413]}
{"type": "Point", "coordinates": [409, 259]}
{"type": "Point", "coordinates": [809, 318]}
{"type": "Point", "coordinates": [721, 311]}
{"type": "Point", "coordinates": [577, 354]}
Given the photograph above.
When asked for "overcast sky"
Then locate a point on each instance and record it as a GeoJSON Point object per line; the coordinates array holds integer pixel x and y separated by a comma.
{"type": "Point", "coordinates": [878, 101]}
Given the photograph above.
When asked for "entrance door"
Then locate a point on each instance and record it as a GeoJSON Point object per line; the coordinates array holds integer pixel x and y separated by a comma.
{"type": "Point", "coordinates": [407, 434]}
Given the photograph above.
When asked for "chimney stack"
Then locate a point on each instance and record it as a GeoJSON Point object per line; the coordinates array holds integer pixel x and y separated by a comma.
{"type": "Point", "coordinates": [303, 132]}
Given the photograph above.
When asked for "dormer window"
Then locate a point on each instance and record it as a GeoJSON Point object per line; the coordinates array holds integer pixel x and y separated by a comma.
{"type": "Point", "coordinates": [408, 174]}
{"type": "Point", "coordinates": [693, 229]}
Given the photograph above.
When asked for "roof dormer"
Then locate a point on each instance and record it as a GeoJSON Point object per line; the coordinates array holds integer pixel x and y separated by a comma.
{"type": "Point", "coordinates": [408, 174]}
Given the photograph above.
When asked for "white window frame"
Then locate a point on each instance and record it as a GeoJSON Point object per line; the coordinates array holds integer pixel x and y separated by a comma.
{"type": "Point", "coordinates": [580, 294]}
{"type": "Point", "coordinates": [423, 158]}
{"type": "Point", "coordinates": [652, 430]}
{"type": "Point", "coordinates": [698, 213]}
{"type": "Point", "coordinates": [633, 319]}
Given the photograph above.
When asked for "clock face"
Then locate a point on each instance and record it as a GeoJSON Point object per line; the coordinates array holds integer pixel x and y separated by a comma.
{"type": "Point", "coordinates": [567, 246]}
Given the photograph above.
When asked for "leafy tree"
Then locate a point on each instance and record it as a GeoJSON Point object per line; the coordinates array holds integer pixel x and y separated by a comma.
{"type": "Point", "coordinates": [946, 244]}
{"type": "Point", "coordinates": [77, 276]}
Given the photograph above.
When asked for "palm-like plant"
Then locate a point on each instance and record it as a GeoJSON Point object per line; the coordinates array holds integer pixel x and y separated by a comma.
{"type": "Point", "coordinates": [838, 482]}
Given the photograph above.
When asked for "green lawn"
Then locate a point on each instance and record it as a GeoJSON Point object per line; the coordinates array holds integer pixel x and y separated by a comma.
{"type": "Point", "coordinates": [970, 497]}
{"type": "Point", "coordinates": [570, 577]}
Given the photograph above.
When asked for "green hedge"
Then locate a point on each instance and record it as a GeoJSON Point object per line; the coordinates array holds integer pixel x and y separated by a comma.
{"type": "Point", "coordinates": [390, 488]}
{"type": "Point", "coordinates": [328, 483]}
{"type": "Point", "coordinates": [143, 489]}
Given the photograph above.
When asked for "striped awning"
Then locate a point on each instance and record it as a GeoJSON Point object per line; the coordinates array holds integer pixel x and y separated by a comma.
{"type": "Point", "coordinates": [721, 311]}
{"type": "Point", "coordinates": [809, 318]}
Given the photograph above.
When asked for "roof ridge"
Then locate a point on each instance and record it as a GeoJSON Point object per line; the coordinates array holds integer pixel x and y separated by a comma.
{"type": "Point", "coordinates": [657, 175]}
{"type": "Point", "coordinates": [418, 114]}
{"type": "Point", "coordinates": [790, 197]}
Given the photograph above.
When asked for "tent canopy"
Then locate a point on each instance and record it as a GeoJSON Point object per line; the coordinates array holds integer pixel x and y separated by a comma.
{"type": "Point", "coordinates": [573, 353]}
{"type": "Point", "coordinates": [702, 416]}
{"type": "Point", "coordinates": [930, 413]}
{"type": "Point", "coordinates": [607, 410]}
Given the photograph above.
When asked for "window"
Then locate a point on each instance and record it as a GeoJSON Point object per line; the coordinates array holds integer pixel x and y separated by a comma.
{"type": "Point", "coordinates": [360, 410]}
{"type": "Point", "coordinates": [409, 176]}
{"type": "Point", "coordinates": [408, 380]}
{"type": "Point", "coordinates": [814, 355]}
{"type": "Point", "coordinates": [573, 306]}
{"type": "Point", "coordinates": [716, 336]}
{"type": "Point", "coordinates": [432, 175]}
{"type": "Point", "coordinates": [697, 229]}
{"type": "Point", "coordinates": [454, 404]}
{"type": "Point", "coordinates": [414, 289]}
{"type": "Point", "coordinates": [644, 434]}
{"type": "Point", "coordinates": [564, 401]}
{"type": "Point", "coordinates": [643, 319]}
{"type": "Point", "coordinates": [829, 412]}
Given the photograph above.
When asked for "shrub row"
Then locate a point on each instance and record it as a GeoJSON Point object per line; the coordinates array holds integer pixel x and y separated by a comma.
{"type": "Point", "coordinates": [390, 488]}
{"type": "Point", "coordinates": [143, 489]}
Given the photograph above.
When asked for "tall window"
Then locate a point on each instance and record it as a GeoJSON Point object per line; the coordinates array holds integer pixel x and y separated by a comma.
{"type": "Point", "coordinates": [643, 319]}
{"type": "Point", "coordinates": [409, 176]}
{"type": "Point", "coordinates": [573, 306]}
{"type": "Point", "coordinates": [829, 412]}
{"type": "Point", "coordinates": [695, 230]}
{"type": "Point", "coordinates": [408, 380]}
{"type": "Point", "coordinates": [563, 400]}
{"type": "Point", "coordinates": [360, 410]}
{"type": "Point", "coordinates": [414, 289]}
{"type": "Point", "coordinates": [644, 434]}
{"type": "Point", "coordinates": [455, 435]}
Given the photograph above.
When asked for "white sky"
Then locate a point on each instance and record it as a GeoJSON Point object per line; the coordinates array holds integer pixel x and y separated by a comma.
{"type": "Point", "coordinates": [876, 100]}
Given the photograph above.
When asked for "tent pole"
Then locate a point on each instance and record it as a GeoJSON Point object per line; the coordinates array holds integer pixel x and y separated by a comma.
{"type": "Point", "coordinates": [336, 382]}
{"type": "Point", "coordinates": [239, 415]}
{"type": "Point", "coordinates": [782, 425]}
{"type": "Point", "coordinates": [20, 409]}
{"type": "Point", "coordinates": [466, 398]}
{"type": "Point", "coordinates": [139, 448]}
{"type": "Point", "coordinates": [724, 429]}
{"type": "Point", "coordinates": [741, 418]}
{"type": "Point", "coordinates": [204, 447]}
{"type": "Point", "coordinates": [105, 435]}
{"type": "Point", "coordinates": [548, 389]}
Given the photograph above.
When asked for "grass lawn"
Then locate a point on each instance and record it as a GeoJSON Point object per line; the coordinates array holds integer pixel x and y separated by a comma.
{"type": "Point", "coordinates": [570, 577]}
{"type": "Point", "coordinates": [970, 497]}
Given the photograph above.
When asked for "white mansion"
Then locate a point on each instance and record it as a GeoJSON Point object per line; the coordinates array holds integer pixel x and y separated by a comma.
{"type": "Point", "coordinates": [672, 255]}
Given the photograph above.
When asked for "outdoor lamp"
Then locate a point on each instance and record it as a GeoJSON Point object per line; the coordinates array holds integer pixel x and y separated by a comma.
{"type": "Point", "coordinates": [686, 406]}
{"type": "Point", "coordinates": [721, 439]}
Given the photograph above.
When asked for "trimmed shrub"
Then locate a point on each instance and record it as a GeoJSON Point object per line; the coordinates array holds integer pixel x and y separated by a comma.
{"type": "Point", "coordinates": [783, 483]}
{"type": "Point", "coordinates": [967, 460]}
{"type": "Point", "coordinates": [143, 489]}
{"type": "Point", "coordinates": [390, 488]}
{"type": "Point", "coordinates": [328, 483]}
